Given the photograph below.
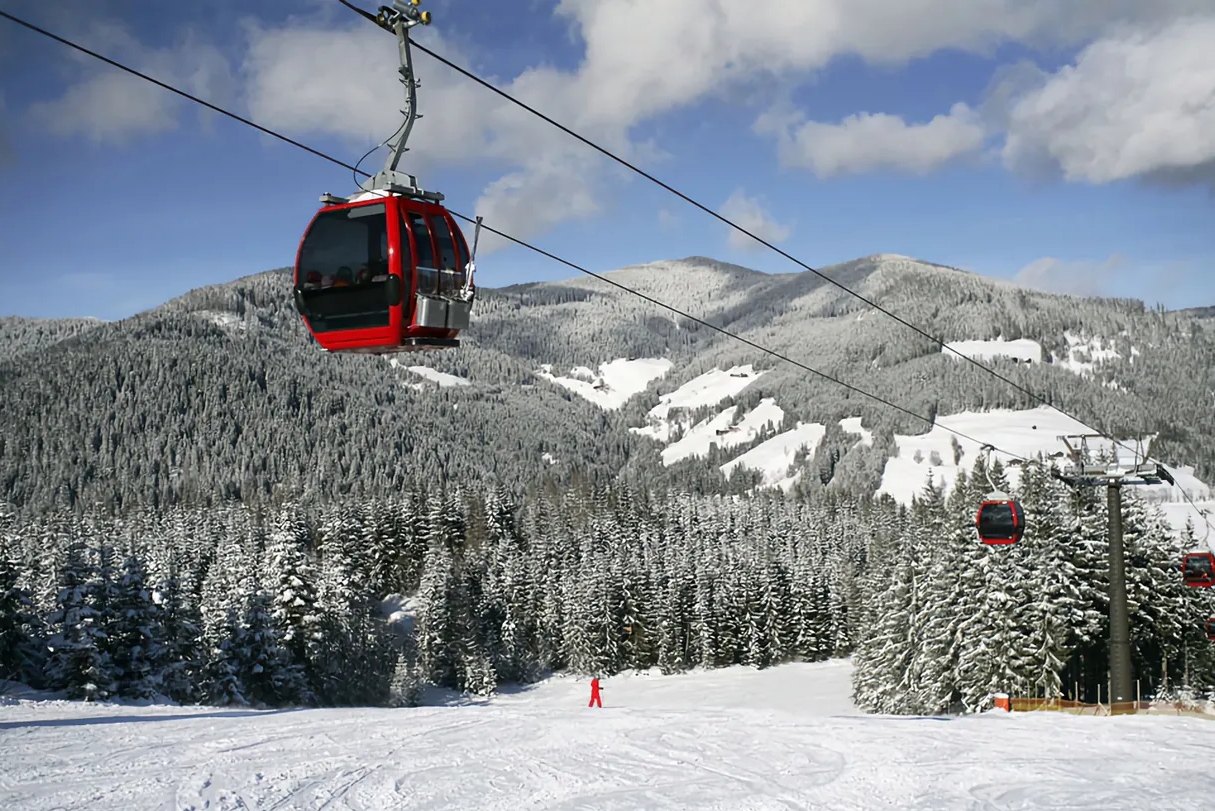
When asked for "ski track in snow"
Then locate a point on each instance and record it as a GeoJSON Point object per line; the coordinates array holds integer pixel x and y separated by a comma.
{"type": "Point", "coordinates": [782, 739]}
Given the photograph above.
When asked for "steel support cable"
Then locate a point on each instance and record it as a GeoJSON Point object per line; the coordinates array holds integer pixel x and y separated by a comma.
{"type": "Point", "coordinates": [691, 201]}
{"type": "Point", "coordinates": [522, 243]}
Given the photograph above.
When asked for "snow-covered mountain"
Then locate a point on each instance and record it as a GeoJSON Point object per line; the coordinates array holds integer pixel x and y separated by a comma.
{"type": "Point", "coordinates": [220, 393]}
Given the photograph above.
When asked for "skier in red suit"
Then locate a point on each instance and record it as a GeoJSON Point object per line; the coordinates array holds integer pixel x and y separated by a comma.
{"type": "Point", "coordinates": [595, 700]}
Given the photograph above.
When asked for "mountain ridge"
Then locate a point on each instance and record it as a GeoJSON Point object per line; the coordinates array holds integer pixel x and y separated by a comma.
{"type": "Point", "coordinates": [226, 377]}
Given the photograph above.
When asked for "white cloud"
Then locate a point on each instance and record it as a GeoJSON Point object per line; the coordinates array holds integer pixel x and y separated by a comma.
{"type": "Point", "coordinates": [749, 213]}
{"type": "Point", "coordinates": [668, 220]}
{"type": "Point", "coordinates": [310, 76]}
{"type": "Point", "coordinates": [307, 76]}
{"type": "Point", "coordinates": [875, 141]}
{"type": "Point", "coordinates": [1133, 104]}
{"type": "Point", "coordinates": [1076, 277]}
{"type": "Point", "coordinates": [107, 105]}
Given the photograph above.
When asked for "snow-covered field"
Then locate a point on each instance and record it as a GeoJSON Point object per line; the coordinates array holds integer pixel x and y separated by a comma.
{"type": "Point", "coordinates": [1025, 433]}
{"type": "Point", "coordinates": [617, 382]}
{"type": "Point", "coordinates": [785, 738]}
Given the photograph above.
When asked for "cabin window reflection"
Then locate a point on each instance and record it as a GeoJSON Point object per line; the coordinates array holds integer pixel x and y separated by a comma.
{"type": "Point", "coordinates": [997, 521]}
{"type": "Point", "coordinates": [343, 269]}
{"type": "Point", "coordinates": [451, 269]}
{"type": "Point", "coordinates": [428, 274]}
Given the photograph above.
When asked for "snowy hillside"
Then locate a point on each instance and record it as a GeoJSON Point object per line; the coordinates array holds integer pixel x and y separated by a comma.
{"type": "Point", "coordinates": [1025, 432]}
{"type": "Point", "coordinates": [784, 738]}
{"type": "Point", "coordinates": [221, 394]}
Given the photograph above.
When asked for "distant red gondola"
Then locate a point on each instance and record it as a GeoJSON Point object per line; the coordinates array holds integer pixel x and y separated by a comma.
{"type": "Point", "coordinates": [1000, 520]}
{"type": "Point", "coordinates": [387, 270]}
{"type": "Point", "coordinates": [1198, 570]}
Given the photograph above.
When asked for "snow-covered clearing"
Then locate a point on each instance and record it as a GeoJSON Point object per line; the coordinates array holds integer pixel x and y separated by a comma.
{"type": "Point", "coordinates": [852, 425]}
{"type": "Point", "coordinates": [1025, 433]}
{"type": "Point", "coordinates": [719, 431]}
{"type": "Point", "coordinates": [1022, 350]}
{"type": "Point", "coordinates": [617, 382]}
{"type": "Point", "coordinates": [708, 389]}
{"type": "Point", "coordinates": [1083, 356]}
{"type": "Point", "coordinates": [434, 375]}
{"type": "Point", "coordinates": [785, 738]}
{"type": "Point", "coordinates": [226, 320]}
{"type": "Point", "coordinates": [773, 456]}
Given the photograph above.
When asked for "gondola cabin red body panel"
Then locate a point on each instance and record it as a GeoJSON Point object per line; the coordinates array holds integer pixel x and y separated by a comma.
{"type": "Point", "coordinates": [1198, 570]}
{"type": "Point", "coordinates": [383, 274]}
{"type": "Point", "coordinates": [1000, 522]}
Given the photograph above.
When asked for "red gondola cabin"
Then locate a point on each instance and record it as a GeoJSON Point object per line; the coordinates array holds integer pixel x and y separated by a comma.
{"type": "Point", "coordinates": [1000, 521]}
{"type": "Point", "coordinates": [383, 273]}
{"type": "Point", "coordinates": [1198, 570]}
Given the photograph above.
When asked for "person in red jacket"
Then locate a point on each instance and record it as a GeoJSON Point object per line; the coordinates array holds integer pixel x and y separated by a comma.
{"type": "Point", "coordinates": [595, 700]}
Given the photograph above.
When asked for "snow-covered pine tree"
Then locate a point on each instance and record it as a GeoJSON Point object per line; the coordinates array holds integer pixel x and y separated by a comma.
{"type": "Point", "coordinates": [136, 636]}
{"type": "Point", "coordinates": [21, 633]}
{"type": "Point", "coordinates": [291, 577]}
{"type": "Point", "coordinates": [181, 626]}
{"type": "Point", "coordinates": [78, 662]}
{"type": "Point", "coordinates": [267, 672]}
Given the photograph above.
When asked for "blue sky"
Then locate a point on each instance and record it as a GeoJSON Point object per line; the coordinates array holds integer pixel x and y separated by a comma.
{"type": "Point", "coordinates": [1068, 147]}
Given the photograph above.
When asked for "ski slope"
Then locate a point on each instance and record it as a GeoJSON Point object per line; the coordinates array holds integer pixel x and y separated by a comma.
{"type": "Point", "coordinates": [785, 738]}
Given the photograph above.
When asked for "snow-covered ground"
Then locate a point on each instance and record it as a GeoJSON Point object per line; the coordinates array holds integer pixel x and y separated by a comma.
{"type": "Point", "coordinates": [617, 382]}
{"type": "Point", "coordinates": [1084, 355]}
{"type": "Point", "coordinates": [785, 738]}
{"type": "Point", "coordinates": [1022, 350]}
{"type": "Point", "coordinates": [434, 375]}
{"type": "Point", "coordinates": [708, 389]}
{"type": "Point", "coordinates": [720, 431]}
{"type": "Point", "coordinates": [774, 456]}
{"type": "Point", "coordinates": [1025, 433]}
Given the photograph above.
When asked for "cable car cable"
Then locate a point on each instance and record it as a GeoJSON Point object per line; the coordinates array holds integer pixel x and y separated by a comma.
{"type": "Point", "coordinates": [356, 171]}
{"type": "Point", "coordinates": [623, 162]}
{"type": "Point", "coordinates": [521, 243]}
{"type": "Point", "coordinates": [171, 88]}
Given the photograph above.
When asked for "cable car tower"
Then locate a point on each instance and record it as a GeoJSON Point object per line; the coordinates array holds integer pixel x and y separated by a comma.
{"type": "Point", "coordinates": [1082, 471]}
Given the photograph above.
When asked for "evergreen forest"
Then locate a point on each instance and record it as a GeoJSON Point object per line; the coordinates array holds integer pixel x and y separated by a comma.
{"type": "Point", "coordinates": [365, 602]}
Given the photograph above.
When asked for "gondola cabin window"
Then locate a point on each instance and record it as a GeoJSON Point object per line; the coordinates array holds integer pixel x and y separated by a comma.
{"type": "Point", "coordinates": [344, 269]}
{"type": "Point", "coordinates": [424, 253]}
{"type": "Point", "coordinates": [450, 264]}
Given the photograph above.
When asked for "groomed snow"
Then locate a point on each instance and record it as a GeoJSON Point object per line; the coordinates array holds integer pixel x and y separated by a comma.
{"type": "Point", "coordinates": [1022, 350]}
{"type": "Point", "coordinates": [783, 738]}
{"type": "Point", "coordinates": [618, 380]}
{"type": "Point", "coordinates": [718, 431]}
{"type": "Point", "coordinates": [773, 456]}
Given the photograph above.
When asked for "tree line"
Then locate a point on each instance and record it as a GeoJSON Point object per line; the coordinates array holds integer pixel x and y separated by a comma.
{"type": "Point", "coordinates": [365, 601]}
